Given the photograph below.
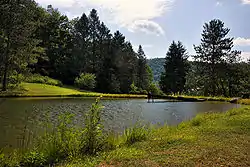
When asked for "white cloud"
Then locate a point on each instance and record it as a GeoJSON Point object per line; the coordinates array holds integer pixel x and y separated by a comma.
{"type": "Point", "coordinates": [146, 26]}
{"type": "Point", "coordinates": [135, 15]}
{"type": "Point", "coordinates": [242, 41]}
{"type": "Point", "coordinates": [218, 3]}
{"type": "Point", "coordinates": [245, 56]}
{"type": "Point", "coordinates": [245, 2]}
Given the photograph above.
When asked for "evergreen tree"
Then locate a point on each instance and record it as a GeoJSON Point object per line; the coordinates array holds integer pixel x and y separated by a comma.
{"type": "Point", "coordinates": [143, 75]}
{"type": "Point", "coordinates": [81, 41]}
{"type": "Point", "coordinates": [213, 50]}
{"type": "Point", "coordinates": [57, 41]}
{"type": "Point", "coordinates": [174, 78]}
{"type": "Point", "coordinates": [94, 37]}
{"type": "Point", "coordinates": [18, 24]}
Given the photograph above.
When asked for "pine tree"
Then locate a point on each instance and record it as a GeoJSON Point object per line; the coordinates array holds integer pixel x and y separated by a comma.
{"type": "Point", "coordinates": [213, 50]}
{"type": "Point", "coordinates": [18, 24]}
{"type": "Point", "coordinates": [143, 75]}
{"type": "Point", "coordinates": [81, 44]}
{"type": "Point", "coordinates": [174, 77]}
{"type": "Point", "coordinates": [94, 34]}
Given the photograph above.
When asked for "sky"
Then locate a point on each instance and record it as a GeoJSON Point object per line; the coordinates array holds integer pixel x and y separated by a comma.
{"type": "Point", "coordinates": [154, 24]}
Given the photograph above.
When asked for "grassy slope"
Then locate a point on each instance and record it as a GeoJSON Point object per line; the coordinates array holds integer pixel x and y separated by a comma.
{"type": "Point", "coordinates": [207, 140]}
{"type": "Point", "coordinates": [43, 90]}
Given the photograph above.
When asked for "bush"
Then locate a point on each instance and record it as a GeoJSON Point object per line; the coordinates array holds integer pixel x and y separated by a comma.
{"type": "Point", "coordinates": [196, 121]}
{"type": "Point", "coordinates": [133, 89]}
{"type": "Point", "coordinates": [86, 81]}
{"type": "Point", "coordinates": [154, 89]}
{"type": "Point", "coordinates": [14, 80]}
{"type": "Point", "coordinates": [33, 159]}
{"type": "Point", "coordinates": [36, 78]}
{"type": "Point", "coordinates": [136, 134]}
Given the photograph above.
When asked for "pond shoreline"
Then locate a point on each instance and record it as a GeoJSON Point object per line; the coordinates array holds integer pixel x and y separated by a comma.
{"type": "Point", "coordinates": [34, 90]}
{"type": "Point", "coordinates": [127, 96]}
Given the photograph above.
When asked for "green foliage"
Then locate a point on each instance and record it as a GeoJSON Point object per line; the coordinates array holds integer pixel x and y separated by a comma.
{"type": "Point", "coordinates": [136, 133]}
{"type": "Point", "coordinates": [15, 80]}
{"type": "Point", "coordinates": [86, 81]}
{"type": "Point", "coordinates": [196, 122]}
{"type": "Point", "coordinates": [93, 139]}
{"type": "Point", "coordinates": [60, 140]}
{"type": "Point", "coordinates": [174, 77]}
{"type": "Point", "coordinates": [133, 89]}
{"type": "Point", "coordinates": [53, 45]}
{"type": "Point", "coordinates": [17, 17]}
{"type": "Point", "coordinates": [215, 52]}
{"type": "Point", "coordinates": [157, 66]}
{"type": "Point", "coordinates": [36, 78]}
{"type": "Point", "coordinates": [33, 159]}
{"type": "Point", "coordinates": [2, 158]}
{"type": "Point", "coordinates": [144, 71]}
{"type": "Point", "coordinates": [155, 89]}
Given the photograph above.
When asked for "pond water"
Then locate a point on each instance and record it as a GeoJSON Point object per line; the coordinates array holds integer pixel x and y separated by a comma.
{"type": "Point", "coordinates": [21, 113]}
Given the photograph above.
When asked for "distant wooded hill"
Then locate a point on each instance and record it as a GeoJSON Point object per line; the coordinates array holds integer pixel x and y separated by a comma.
{"type": "Point", "coordinates": [157, 66]}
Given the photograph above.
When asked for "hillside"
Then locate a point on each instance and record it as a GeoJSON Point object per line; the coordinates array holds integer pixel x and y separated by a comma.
{"type": "Point", "coordinates": [157, 66]}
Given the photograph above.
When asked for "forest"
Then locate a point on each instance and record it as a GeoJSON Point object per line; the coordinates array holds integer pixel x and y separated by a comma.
{"type": "Point", "coordinates": [82, 51]}
{"type": "Point", "coordinates": [37, 44]}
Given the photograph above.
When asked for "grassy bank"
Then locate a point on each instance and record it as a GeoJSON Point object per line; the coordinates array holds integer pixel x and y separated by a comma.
{"type": "Point", "coordinates": [214, 139]}
{"type": "Point", "coordinates": [244, 101]}
{"type": "Point", "coordinates": [43, 90]}
{"type": "Point", "coordinates": [207, 140]}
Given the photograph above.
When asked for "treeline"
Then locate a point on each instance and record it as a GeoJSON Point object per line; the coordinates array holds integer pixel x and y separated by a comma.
{"type": "Point", "coordinates": [38, 40]}
{"type": "Point", "coordinates": [217, 69]}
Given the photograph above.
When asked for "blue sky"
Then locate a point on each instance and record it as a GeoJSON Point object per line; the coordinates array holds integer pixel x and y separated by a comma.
{"type": "Point", "coordinates": [156, 23]}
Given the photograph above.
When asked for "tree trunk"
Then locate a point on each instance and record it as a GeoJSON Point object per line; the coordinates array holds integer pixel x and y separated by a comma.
{"type": "Point", "coordinates": [5, 77]}
{"type": "Point", "coordinates": [6, 66]}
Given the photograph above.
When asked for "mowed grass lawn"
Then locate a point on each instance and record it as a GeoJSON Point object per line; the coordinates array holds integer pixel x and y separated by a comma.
{"type": "Point", "coordinates": [43, 90]}
{"type": "Point", "coordinates": [207, 140]}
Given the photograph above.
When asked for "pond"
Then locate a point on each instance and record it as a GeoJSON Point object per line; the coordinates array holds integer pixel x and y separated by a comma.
{"type": "Point", "coordinates": [26, 113]}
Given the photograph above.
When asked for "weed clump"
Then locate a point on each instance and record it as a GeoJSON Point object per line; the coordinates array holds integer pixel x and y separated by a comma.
{"type": "Point", "coordinates": [196, 122]}
{"type": "Point", "coordinates": [136, 134]}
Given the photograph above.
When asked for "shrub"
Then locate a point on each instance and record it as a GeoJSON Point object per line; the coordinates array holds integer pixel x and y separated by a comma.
{"type": "Point", "coordinates": [36, 78]}
{"type": "Point", "coordinates": [14, 80]}
{"type": "Point", "coordinates": [133, 89]}
{"type": "Point", "coordinates": [154, 89]}
{"type": "Point", "coordinates": [86, 81]}
{"type": "Point", "coordinates": [33, 159]}
{"type": "Point", "coordinates": [136, 134]}
{"type": "Point", "coordinates": [196, 121]}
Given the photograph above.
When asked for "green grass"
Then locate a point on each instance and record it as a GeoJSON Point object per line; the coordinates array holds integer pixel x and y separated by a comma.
{"type": "Point", "coordinates": [244, 101]}
{"type": "Point", "coordinates": [197, 98]}
{"type": "Point", "coordinates": [207, 140]}
{"type": "Point", "coordinates": [43, 90]}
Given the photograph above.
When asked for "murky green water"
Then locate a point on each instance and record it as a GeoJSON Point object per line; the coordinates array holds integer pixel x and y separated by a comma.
{"type": "Point", "coordinates": [16, 114]}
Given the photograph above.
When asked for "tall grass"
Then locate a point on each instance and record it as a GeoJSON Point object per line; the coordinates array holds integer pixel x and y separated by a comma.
{"type": "Point", "coordinates": [136, 133]}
